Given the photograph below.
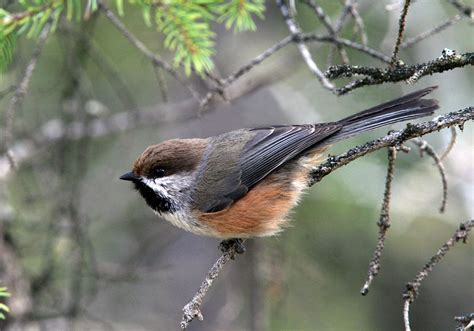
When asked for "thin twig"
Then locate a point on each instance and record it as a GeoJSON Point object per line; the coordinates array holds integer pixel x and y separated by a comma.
{"type": "Point", "coordinates": [383, 223]}
{"type": "Point", "coordinates": [412, 288]}
{"type": "Point", "coordinates": [451, 144]}
{"type": "Point", "coordinates": [305, 53]}
{"type": "Point", "coordinates": [307, 37]}
{"type": "Point", "coordinates": [255, 61]}
{"type": "Point", "coordinates": [466, 10]}
{"type": "Point", "coordinates": [401, 30]}
{"type": "Point", "coordinates": [338, 27]}
{"type": "Point", "coordinates": [431, 32]}
{"type": "Point", "coordinates": [425, 147]}
{"type": "Point", "coordinates": [20, 93]}
{"type": "Point", "coordinates": [359, 23]}
{"type": "Point", "coordinates": [348, 43]}
{"type": "Point", "coordinates": [143, 49]}
{"type": "Point", "coordinates": [192, 309]}
{"type": "Point", "coordinates": [318, 10]}
{"type": "Point", "coordinates": [224, 83]}
{"type": "Point", "coordinates": [343, 15]}
{"type": "Point", "coordinates": [406, 315]}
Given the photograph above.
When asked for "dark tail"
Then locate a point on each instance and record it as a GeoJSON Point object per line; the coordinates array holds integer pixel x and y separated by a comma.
{"type": "Point", "coordinates": [405, 108]}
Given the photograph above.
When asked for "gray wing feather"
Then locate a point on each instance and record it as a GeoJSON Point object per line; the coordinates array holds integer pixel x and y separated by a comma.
{"type": "Point", "coordinates": [274, 146]}
{"type": "Point", "coordinates": [240, 159]}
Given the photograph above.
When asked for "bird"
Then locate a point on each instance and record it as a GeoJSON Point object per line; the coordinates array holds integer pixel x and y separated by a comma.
{"type": "Point", "coordinates": [244, 183]}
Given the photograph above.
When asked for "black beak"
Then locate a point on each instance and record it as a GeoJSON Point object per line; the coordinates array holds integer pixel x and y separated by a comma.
{"type": "Point", "coordinates": [129, 176]}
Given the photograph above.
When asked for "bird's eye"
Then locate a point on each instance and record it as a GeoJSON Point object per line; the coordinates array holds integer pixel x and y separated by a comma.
{"type": "Point", "coordinates": [158, 172]}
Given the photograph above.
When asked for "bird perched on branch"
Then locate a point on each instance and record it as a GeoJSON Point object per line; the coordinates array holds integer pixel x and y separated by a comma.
{"type": "Point", "coordinates": [243, 183]}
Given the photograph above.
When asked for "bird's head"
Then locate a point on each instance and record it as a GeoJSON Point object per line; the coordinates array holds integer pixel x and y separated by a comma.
{"type": "Point", "coordinates": [164, 173]}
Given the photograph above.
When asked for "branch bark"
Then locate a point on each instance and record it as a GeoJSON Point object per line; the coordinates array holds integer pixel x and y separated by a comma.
{"type": "Point", "coordinates": [411, 291]}
{"type": "Point", "coordinates": [192, 309]}
{"type": "Point", "coordinates": [373, 76]}
{"type": "Point", "coordinates": [394, 138]}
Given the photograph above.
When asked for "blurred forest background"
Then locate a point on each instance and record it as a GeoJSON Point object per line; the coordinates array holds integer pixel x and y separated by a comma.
{"type": "Point", "coordinates": [81, 251]}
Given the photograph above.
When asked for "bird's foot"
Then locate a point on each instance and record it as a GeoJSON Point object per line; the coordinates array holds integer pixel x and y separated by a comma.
{"type": "Point", "coordinates": [236, 244]}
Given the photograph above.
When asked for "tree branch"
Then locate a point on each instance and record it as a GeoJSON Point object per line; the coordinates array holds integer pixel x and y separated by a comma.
{"type": "Point", "coordinates": [225, 83]}
{"type": "Point", "coordinates": [373, 76]}
{"type": "Point", "coordinates": [20, 93]}
{"type": "Point", "coordinates": [451, 144]}
{"type": "Point", "coordinates": [394, 138]}
{"type": "Point", "coordinates": [348, 43]}
{"type": "Point", "coordinates": [192, 309]}
{"type": "Point", "coordinates": [359, 23]}
{"type": "Point", "coordinates": [305, 53]}
{"type": "Point", "coordinates": [401, 30]}
{"type": "Point", "coordinates": [466, 10]}
{"type": "Point", "coordinates": [383, 223]}
{"type": "Point", "coordinates": [411, 291]}
{"type": "Point", "coordinates": [143, 49]}
{"type": "Point", "coordinates": [428, 149]}
{"type": "Point", "coordinates": [326, 21]}
{"type": "Point", "coordinates": [431, 32]}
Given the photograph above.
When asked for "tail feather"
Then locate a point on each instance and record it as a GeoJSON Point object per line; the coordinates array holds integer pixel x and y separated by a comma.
{"type": "Point", "coordinates": [405, 108]}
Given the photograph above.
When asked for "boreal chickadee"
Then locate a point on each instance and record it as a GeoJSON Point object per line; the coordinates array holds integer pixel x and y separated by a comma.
{"type": "Point", "coordinates": [243, 183]}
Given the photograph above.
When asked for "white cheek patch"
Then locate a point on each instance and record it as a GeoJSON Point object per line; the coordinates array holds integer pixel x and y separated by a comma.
{"type": "Point", "coordinates": [177, 190]}
{"type": "Point", "coordinates": [157, 186]}
{"type": "Point", "coordinates": [174, 188]}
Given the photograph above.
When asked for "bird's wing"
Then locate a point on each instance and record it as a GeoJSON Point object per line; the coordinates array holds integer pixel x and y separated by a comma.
{"type": "Point", "coordinates": [254, 154]}
{"type": "Point", "coordinates": [274, 146]}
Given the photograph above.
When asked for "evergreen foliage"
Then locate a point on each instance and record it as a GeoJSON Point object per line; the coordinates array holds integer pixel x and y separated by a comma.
{"type": "Point", "coordinates": [3, 307]}
{"type": "Point", "coordinates": [185, 24]}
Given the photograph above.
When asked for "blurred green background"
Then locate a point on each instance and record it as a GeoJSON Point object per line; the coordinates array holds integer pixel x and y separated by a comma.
{"type": "Point", "coordinates": [88, 247]}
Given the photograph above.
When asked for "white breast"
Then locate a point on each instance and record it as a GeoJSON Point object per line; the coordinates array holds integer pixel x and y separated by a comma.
{"type": "Point", "coordinates": [184, 220]}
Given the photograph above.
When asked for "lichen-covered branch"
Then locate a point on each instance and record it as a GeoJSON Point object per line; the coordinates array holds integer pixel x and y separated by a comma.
{"type": "Point", "coordinates": [192, 309]}
{"type": "Point", "coordinates": [451, 144]}
{"type": "Point", "coordinates": [411, 291]}
{"type": "Point", "coordinates": [409, 73]}
{"type": "Point", "coordinates": [428, 149]}
{"type": "Point", "coordinates": [395, 138]}
{"type": "Point", "coordinates": [383, 223]}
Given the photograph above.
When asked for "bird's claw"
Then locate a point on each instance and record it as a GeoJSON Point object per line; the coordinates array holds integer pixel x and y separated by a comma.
{"type": "Point", "coordinates": [236, 243]}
